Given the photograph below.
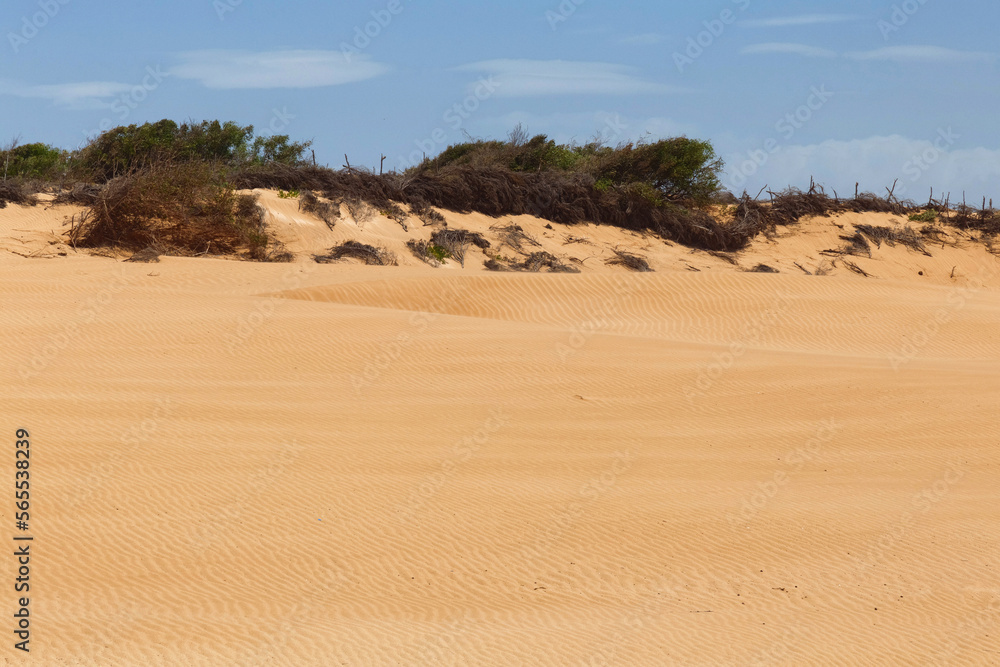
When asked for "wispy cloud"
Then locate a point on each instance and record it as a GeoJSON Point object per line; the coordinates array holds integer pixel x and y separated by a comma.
{"type": "Point", "coordinates": [534, 78]}
{"type": "Point", "coordinates": [229, 70]}
{"type": "Point", "coordinates": [924, 54]}
{"type": "Point", "coordinates": [582, 126]}
{"type": "Point", "coordinates": [877, 161]}
{"type": "Point", "coordinates": [83, 95]}
{"type": "Point", "coordinates": [784, 47]}
{"type": "Point", "coordinates": [803, 19]}
{"type": "Point", "coordinates": [646, 39]}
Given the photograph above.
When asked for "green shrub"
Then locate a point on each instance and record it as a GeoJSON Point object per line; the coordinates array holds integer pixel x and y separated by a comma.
{"type": "Point", "coordinates": [125, 149]}
{"type": "Point", "coordinates": [438, 252]}
{"type": "Point", "coordinates": [924, 216]}
{"type": "Point", "coordinates": [679, 169]}
{"type": "Point", "coordinates": [33, 161]}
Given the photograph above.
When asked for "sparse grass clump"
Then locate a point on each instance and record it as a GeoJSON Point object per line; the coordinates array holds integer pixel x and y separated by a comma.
{"type": "Point", "coordinates": [456, 241]}
{"type": "Point", "coordinates": [395, 212]}
{"type": "Point", "coordinates": [328, 213]}
{"type": "Point", "coordinates": [15, 192]}
{"type": "Point", "coordinates": [422, 210]}
{"type": "Point", "coordinates": [891, 236]}
{"type": "Point", "coordinates": [629, 261]}
{"type": "Point", "coordinates": [533, 263]}
{"type": "Point", "coordinates": [924, 216]}
{"type": "Point", "coordinates": [856, 244]}
{"type": "Point", "coordinates": [428, 252]}
{"type": "Point", "coordinates": [514, 237]}
{"type": "Point", "coordinates": [368, 254]}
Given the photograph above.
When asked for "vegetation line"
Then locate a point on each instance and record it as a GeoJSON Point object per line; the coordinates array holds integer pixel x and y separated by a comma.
{"type": "Point", "coordinates": [175, 188]}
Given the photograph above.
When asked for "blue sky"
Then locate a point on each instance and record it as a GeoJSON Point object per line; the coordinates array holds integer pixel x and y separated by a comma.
{"type": "Point", "coordinates": [846, 91]}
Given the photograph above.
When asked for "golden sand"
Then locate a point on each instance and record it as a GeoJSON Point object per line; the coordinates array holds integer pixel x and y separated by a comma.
{"type": "Point", "coordinates": [270, 464]}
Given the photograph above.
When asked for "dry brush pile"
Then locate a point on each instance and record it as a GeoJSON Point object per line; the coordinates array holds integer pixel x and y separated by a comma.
{"type": "Point", "coordinates": [181, 209]}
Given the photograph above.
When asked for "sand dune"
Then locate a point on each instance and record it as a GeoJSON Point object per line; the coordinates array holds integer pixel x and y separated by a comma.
{"type": "Point", "coordinates": [257, 464]}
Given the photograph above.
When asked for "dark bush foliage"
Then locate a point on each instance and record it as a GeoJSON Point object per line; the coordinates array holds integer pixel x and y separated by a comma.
{"type": "Point", "coordinates": [183, 208]}
{"type": "Point", "coordinates": [15, 192]}
{"type": "Point", "coordinates": [678, 169]}
{"type": "Point", "coordinates": [80, 193]}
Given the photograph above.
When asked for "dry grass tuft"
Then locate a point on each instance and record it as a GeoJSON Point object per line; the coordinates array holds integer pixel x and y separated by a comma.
{"type": "Point", "coordinates": [84, 194]}
{"type": "Point", "coordinates": [422, 210]}
{"type": "Point", "coordinates": [533, 263]}
{"type": "Point", "coordinates": [856, 269]}
{"type": "Point", "coordinates": [856, 245]}
{"type": "Point", "coordinates": [514, 237]}
{"type": "Point", "coordinates": [325, 211]}
{"type": "Point", "coordinates": [368, 254]}
{"type": "Point", "coordinates": [629, 261]}
{"type": "Point", "coordinates": [725, 256]}
{"type": "Point", "coordinates": [891, 236]}
{"type": "Point", "coordinates": [457, 241]}
{"type": "Point", "coordinates": [16, 192]}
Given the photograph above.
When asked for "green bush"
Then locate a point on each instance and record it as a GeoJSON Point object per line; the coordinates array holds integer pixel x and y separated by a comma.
{"type": "Point", "coordinates": [437, 252]}
{"type": "Point", "coordinates": [924, 216]}
{"type": "Point", "coordinates": [33, 161]}
{"type": "Point", "coordinates": [678, 169]}
{"type": "Point", "coordinates": [125, 149]}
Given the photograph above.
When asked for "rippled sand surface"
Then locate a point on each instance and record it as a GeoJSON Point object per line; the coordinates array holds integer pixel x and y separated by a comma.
{"type": "Point", "coordinates": [295, 464]}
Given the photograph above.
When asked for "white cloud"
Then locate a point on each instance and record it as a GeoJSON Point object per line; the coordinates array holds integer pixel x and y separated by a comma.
{"type": "Point", "coordinates": [582, 126]}
{"type": "Point", "coordinates": [83, 95]}
{"type": "Point", "coordinates": [532, 78]}
{"type": "Point", "coordinates": [929, 54]}
{"type": "Point", "coordinates": [876, 162]}
{"type": "Point", "coordinates": [230, 70]}
{"type": "Point", "coordinates": [804, 19]}
{"type": "Point", "coordinates": [784, 47]}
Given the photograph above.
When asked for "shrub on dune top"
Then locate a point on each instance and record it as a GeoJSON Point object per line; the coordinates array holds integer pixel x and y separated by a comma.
{"type": "Point", "coordinates": [182, 207]}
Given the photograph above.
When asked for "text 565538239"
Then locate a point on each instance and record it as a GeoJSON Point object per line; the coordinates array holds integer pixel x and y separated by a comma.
{"type": "Point", "coordinates": [22, 540]}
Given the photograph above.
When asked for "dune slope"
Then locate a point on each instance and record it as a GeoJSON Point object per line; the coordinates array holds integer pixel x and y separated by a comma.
{"type": "Point", "coordinates": [257, 464]}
